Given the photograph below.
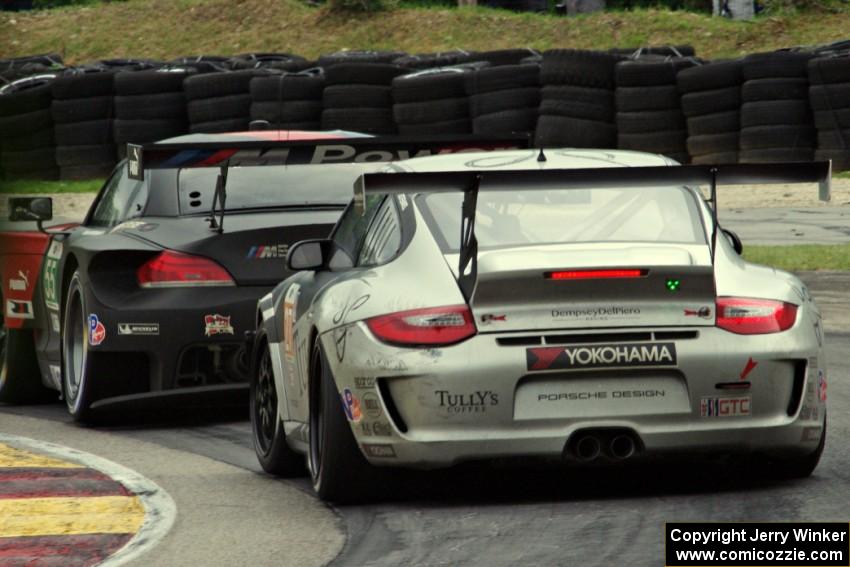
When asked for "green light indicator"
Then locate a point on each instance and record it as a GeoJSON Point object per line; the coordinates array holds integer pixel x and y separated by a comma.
{"type": "Point", "coordinates": [673, 285]}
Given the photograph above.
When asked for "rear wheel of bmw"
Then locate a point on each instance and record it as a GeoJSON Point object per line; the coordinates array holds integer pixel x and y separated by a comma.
{"type": "Point", "coordinates": [274, 454]}
{"type": "Point", "coordinates": [76, 360]}
{"type": "Point", "coordinates": [338, 469]}
{"type": "Point", "coordinates": [20, 380]}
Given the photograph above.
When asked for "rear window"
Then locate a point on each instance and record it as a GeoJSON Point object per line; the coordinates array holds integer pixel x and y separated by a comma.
{"type": "Point", "coordinates": [268, 186]}
{"type": "Point", "coordinates": [529, 217]}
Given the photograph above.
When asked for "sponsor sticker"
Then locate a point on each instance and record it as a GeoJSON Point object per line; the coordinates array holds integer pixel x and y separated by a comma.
{"type": "Point", "coordinates": [379, 451]}
{"type": "Point", "coordinates": [217, 325]}
{"type": "Point", "coordinates": [267, 252]}
{"type": "Point", "coordinates": [811, 434]}
{"type": "Point", "coordinates": [144, 329]}
{"type": "Point", "coordinates": [97, 331]}
{"type": "Point", "coordinates": [702, 312]}
{"type": "Point", "coordinates": [93, 232]}
{"type": "Point", "coordinates": [16, 309]}
{"type": "Point", "coordinates": [371, 405]}
{"type": "Point", "coordinates": [366, 429]}
{"type": "Point", "coordinates": [51, 295]}
{"type": "Point", "coordinates": [351, 405]}
{"type": "Point", "coordinates": [597, 313]}
{"type": "Point", "coordinates": [488, 318]}
{"type": "Point", "coordinates": [289, 303]}
{"type": "Point", "coordinates": [364, 382]}
{"type": "Point", "coordinates": [474, 402]}
{"type": "Point", "coordinates": [381, 429]}
{"type": "Point", "coordinates": [56, 376]}
{"type": "Point", "coordinates": [725, 407]}
{"type": "Point", "coordinates": [21, 283]}
{"type": "Point", "coordinates": [54, 322]}
{"type": "Point", "coordinates": [822, 384]}
{"type": "Point", "coordinates": [601, 356]}
{"type": "Point", "coordinates": [55, 250]}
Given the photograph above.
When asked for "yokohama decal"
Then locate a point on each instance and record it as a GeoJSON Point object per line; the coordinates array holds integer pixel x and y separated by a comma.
{"type": "Point", "coordinates": [601, 356]}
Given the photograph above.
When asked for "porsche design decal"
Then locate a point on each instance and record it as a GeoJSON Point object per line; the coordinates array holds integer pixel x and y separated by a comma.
{"type": "Point", "coordinates": [576, 357]}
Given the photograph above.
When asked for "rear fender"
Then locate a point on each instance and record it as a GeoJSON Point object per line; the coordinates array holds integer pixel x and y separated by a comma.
{"type": "Point", "coordinates": [20, 262]}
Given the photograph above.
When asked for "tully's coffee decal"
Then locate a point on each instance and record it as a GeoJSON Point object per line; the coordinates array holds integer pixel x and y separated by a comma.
{"type": "Point", "coordinates": [578, 357]}
{"type": "Point", "coordinates": [472, 402]}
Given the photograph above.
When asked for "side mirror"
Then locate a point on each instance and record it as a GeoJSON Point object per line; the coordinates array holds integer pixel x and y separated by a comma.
{"type": "Point", "coordinates": [734, 240]}
{"type": "Point", "coordinates": [308, 255]}
{"type": "Point", "coordinates": [37, 209]}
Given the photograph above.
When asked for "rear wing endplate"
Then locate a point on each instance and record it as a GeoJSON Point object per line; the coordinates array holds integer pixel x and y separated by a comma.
{"type": "Point", "coordinates": [306, 152]}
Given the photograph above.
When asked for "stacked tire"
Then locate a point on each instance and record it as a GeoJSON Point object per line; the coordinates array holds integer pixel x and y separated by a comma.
{"type": "Point", "coordinates": [424, 61]}
{"type": "Point", "coordinates": [366, 56]}
{"type": "Point", "coordinates": [289, 101]}
{"type": "Point", "coordinates": [432, 102]}
{"type": "Point", "coordinates": [829, 96]}
{"type": "Point", "coordinates": [649, 115]}
{"type": "Point", "coordinates": [711, 103]}
{"type": "Point", "coordinates": [358, 96]}
{"type": "Point", "coordinates": [776, 120]}
{"type": "Point", "coordinates": [149, 106]}
{"type": "Point", "coordinates": [504, 99]}
{"type": "Point", "coordinates": [20, 67]}
{"type": "Point", "coordinates": [577, 99]}
{"type": "Point", "coordinates": [27, 147]}
{"type": "Point", "coordinates": [280, 61]}
{"type": "Point", "coordinates": [219, 102]}
{"type": "Point", "coordinates": [502, 57]}
{"type": "Point", "coordinates": [82, 112]}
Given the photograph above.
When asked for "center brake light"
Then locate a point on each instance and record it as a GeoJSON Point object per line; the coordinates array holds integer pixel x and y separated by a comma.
{"type": "Point", "coordinates": [617, 273]}
{"type": "Point", "coordinates": [175, 269]}
{"type": "Point", "coordinates": [434, 326]}
{"type": "Point", "coordinates": [755, 316]}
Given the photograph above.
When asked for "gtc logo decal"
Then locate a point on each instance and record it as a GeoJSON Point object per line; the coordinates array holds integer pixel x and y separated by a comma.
{"type": "Point", "coordinates": [269, 251]}
{"type": "Point", "coordinates": [217, 325]}
{"type": "Point", "coordinates": [601, 356]}
{"type": "Point", "coordinates": [18, 309]}
{"type": "Point", "coordinates": [97, 332]}
{"type": "Point", "coordinates": [724, 407]}
{"type": "Point", "coordinates": [351, 405]}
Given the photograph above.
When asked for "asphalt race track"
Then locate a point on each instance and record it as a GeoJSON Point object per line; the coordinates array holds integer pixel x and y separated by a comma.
{"type": "Point", "coordinates": [482, 515]}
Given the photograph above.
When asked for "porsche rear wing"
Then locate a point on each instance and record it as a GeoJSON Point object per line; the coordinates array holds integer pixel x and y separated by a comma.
{"type": "Point", "coordinates": [225, 154]}
{"type": "Point", "coordinates": [469, 182]}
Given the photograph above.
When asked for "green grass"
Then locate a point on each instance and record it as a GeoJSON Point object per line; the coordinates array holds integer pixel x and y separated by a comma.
{"type": "Point", "coordinates": [801, 257]}
{"type": "Point", "coordinates": [38, 187]}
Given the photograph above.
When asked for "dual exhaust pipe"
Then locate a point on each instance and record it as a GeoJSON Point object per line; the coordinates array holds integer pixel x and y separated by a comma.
{"type": "Point", "coordinates": [589, 446]}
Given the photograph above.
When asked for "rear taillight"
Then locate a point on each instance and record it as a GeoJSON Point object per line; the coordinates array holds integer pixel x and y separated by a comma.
{"type": "Point", "coordinates": [754, 316]}
{"type": "Point", "coordinates": [435, 326]}
{"type": "Point", "coordinates": [174, 269]}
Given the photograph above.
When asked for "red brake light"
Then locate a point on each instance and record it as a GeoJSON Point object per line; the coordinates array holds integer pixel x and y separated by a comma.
{"type": "Point", "coordinates": [174, 269]}
{"type": "Point", "coordinates": [435, 326]}
{"type": "Point", "coordinates": [595, 274]}
{"type": "Point", "coordinates": [754, 316]}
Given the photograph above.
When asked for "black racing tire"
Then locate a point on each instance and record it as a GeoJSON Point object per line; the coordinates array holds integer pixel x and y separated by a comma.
{"type": "Point", "coordinates": [715, 123]}
{"type": "Point", "coordinates": [148, 82]}
{"type": "Point", "coordinates": [713, 76]}
{"type": "Point", "coordinates": [366, 120]}
{"type": "Point", "coordinates": [666, 142]}
{"type": "Point", "coordinates": [287, 111]}
{"type": "Point", "coordinates": [642, 73]}
{"type": "Point", "coordinates": [639, 99]}
{"type": "Point", "coordinates": [143, 131]}
{"type": "Point", "coordinates": [710, 102]}
{"type": "Point", "coordinates": [357, 96]}
{"type": "Point", "coordinates": [775, 65]}
{"type": "Point", "coordinates": [764, 137]}
{"type": "Point", "coordinates": [505, 121]}
{"type": "Point", "coordinates": [268, 436]}
{"type": "Point", "coordinates": [37, 97]}
{"type": "Point", "coordinates": [714, 158]}
{"type": "Point", "coordinates": [825, 70]}
{"type": "Point", "coordinates": [212, 85]}
{"type": "Point", "coordinates": [834, 139]}
{"type": "Point", "coordinates": [219, 108]}
{"type": "Point", "coordinates": [840, 158]}
{"type": "Point", "coordinates": [502, 57]}
{"type": "Point", "coordinates": [151, 106]}
{"type": "Point", "coordinates": [82, 109]}
{"type": "Point", "coordinates": [77, 365]}
{"type": "Point", "coordinates": [85, 155]}
{"type": "Point", "coordinates": [504, 100]}
{"type": "Point", "coordinates": [559, 132]}
{"type": "Point", "coordinates": [218, 126]}
{"type": "Point", "coordinates": [19, 124]}
{"type": "Point", "coordinates": [713, 144]}
{"type": "Point", "coordinates": [579, 67]}
{"type": "Point", "coordinates": [49, 173]}
{"type": "Point", "coordinates": [662, 50]}
{"type": "Point", "coordinates": [83, 86]}
{"type": "Point", "coordinates": [772, 155]}
{"type": "Point", "coordinates": [20, 379]}
{"type": "Point", "coordinates": [31, 141]}
{"type": "Point", "coordinates": [430, 86]}
{"type": "Point", "coordinates": [647, 122]}
{"type": "Point", "coordinates": [775, 113]}
{"type": "Point", "coordinates": [338, 470]}
{"type": "Point", "coordinates": [358, 56]}
{"type": "Point", "coordinates": [832, 119]}
{"type": "Point", "coordinates": [462, 126]}
{"type": "Point", "coordinates": [26, 160]}
{"type": "Point", "coordinates": [92, 132]}
{"type": "Point", "coordinates": [833, 96]}
{"type": "Point", "coordinates": [507, 77]}
{"type": "Point", "coordinates": [584, 111]}
{"type": "Point", "coordinates": [88, 171]}
{"type": "Point", "coordinates": [775, 89]}
{"type": "Point", "coordinates": [362, 74]}
{"type": "Point", "coordinates": [287, 87]}
{"type": "Point", "coordinates": [572, 93]}
{"type": "Point", "coordinates": [432, 111]}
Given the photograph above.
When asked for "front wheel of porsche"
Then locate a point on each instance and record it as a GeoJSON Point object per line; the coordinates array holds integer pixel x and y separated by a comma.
{"type": "Point", "coordinates": [338, 470]}
{"type": "Point", "coordinates": [76, 359]}
{"type": "Point", "coordinates": [273, 452]}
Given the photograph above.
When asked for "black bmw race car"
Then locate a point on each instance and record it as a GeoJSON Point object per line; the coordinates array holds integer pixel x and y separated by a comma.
{"type": "Point", "coordinates": [147, 301]}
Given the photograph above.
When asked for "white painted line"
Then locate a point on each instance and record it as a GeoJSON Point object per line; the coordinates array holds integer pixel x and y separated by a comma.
{"type": "Point", "coordinates": [160, 510]}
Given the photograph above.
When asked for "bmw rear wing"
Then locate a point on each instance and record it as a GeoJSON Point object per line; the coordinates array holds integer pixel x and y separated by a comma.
{"type": "Point", "coordinates": [469, 182]}
{"type": "Point", "coordinates": [223, 154]}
